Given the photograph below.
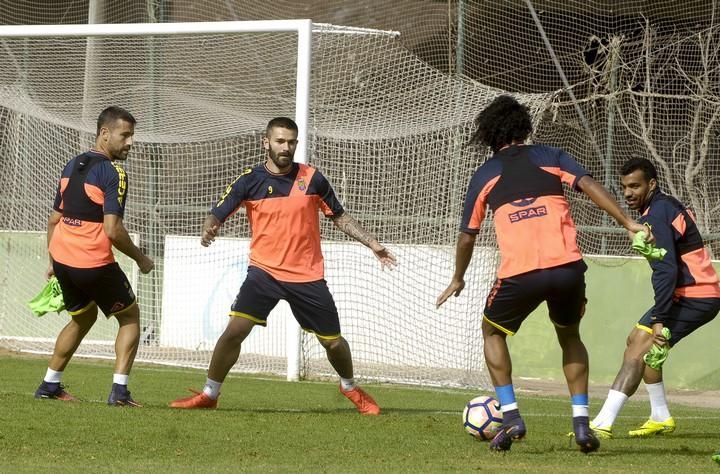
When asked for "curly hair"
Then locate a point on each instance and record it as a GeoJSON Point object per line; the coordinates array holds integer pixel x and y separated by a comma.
{"type": "Point", "coordinates": [503, 122]}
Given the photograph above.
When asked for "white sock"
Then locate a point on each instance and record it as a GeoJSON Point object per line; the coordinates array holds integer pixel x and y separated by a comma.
{"type": "Point", "coordinates": [121, 379]}
{"type": "Point", "coordinates": [53, 376]}
{"type": "Point", "coordinates": [658, 402]}
{"type": "Point", "coordinates": [347, 384]}
{"type": "Point", "coordinates": [580, 410]}
{"type": "Point", "coordinates": [212, 389]}
{"type": "Point", "coordinates": [610, 410]}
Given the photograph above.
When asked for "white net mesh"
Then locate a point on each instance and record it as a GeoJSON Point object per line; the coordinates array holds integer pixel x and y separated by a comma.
{"type": "Point", "coordinates": [198, 128]}
{"type": "Point", "coordinates": [389, 120]}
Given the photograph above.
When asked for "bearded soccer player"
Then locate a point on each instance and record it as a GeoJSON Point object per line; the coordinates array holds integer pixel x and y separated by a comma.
{"type": "Point", "coordinates": [86, 222]}
{"type": "Point", "coordinates": [687, 296]}
{"type": "Point", "coordinates": [540, 261]}
{"type": "Point", "coordinates": [283, 200]}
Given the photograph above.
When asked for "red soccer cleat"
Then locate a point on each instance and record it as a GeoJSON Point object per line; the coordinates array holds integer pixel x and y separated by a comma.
{"type": "Point", "coordinates": [364, 402]}
{"type": "Point", "coordinates": [199, 400]}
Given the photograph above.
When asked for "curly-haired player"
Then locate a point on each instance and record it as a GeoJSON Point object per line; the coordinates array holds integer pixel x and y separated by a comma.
{"type": "Point", "coordinates": [540, 261]}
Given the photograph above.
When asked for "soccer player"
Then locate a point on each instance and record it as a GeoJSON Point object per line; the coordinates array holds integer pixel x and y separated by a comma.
{"type": "Point", "coordinates": [283, 200]}
{"type": "Point", "coordinates": [86, 222]}
{"type": "Point", "coordinates": [540, 261]}
{"type": "Point", "coordinates": [687, 296]}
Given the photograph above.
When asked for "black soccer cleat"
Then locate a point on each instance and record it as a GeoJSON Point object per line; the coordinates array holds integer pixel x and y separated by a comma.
{"type": "Point", "coordinates": [120, 397]}
{"type": "Point", "coordinates": [508, 433]}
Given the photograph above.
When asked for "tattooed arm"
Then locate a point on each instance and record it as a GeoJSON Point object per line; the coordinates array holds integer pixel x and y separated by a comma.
{"type": "Point", "coordinates": [346, 223]}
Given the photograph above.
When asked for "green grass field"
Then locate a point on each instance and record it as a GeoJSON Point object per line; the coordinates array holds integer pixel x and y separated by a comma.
{"type": "Point", "coordinates": [267, 425]}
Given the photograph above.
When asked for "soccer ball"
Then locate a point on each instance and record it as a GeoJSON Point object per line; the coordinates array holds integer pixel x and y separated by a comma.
{"type": "Point", "coordinates": [482, 417]}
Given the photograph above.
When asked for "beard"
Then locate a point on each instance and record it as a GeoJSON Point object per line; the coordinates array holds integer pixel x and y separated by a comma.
{"type": "Point", "coordinates": [120, 154]}
{"type": "Point", "coordinates": [281, 160]}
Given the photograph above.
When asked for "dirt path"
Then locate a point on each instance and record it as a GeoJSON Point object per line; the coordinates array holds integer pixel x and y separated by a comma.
{"type": "Point", "coordinates": [695, 398]}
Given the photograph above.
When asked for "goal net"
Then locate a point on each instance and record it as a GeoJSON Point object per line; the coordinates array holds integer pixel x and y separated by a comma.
{"type": "Point", "coordinates": [387, 130]}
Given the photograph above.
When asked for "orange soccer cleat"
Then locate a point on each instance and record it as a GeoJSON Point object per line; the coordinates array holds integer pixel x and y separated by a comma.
{"type": "Point", "coordinates": [364, 402]}
{"type": "Point", "coordinates": [199, 400]}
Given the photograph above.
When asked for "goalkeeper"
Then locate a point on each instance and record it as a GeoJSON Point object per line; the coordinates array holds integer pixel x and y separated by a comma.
{"type": "Point", "coordinates": [687, 296]}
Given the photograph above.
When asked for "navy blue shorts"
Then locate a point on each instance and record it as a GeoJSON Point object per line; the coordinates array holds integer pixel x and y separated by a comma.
{"type": "Point", "coordinates": [512, 299]}
{"type": "Point", "coordinates": [107, 286]}
{"type": "Point", "coordinates": [685, 316]}
{"type": "Point", "coordinates": [311, 303]}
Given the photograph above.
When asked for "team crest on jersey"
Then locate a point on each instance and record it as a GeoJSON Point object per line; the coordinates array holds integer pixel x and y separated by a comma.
{"type": "Point", "coordinates": [523, 202]}
{"type": "Point", "coordinates": [301, 184]}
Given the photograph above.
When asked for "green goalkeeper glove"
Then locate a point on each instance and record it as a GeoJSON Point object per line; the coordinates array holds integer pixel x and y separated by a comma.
{"type": "Point", "coordinates": [646, 249]}
{"type": "Point", "coordinates": [655, 357]}
{"type": "Point", "coordinates": [49, 299]}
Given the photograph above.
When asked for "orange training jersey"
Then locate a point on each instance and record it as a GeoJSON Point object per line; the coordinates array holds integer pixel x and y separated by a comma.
{"type": "Point", "coordinates": [284, 219]}
{"type": "Point", "coordinates": [522, 185]}
{"type": "Point", "coordinates": [91, 185]}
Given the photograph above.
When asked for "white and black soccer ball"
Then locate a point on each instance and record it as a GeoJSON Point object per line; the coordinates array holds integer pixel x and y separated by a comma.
{"type": "Point", "coordinates": [482, 417]}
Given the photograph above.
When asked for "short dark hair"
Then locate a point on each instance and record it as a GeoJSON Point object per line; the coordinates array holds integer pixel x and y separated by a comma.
{"type": "Point", "coordinates": [281, 122]}
{"type": "Point", "coordinates": [501, 123]}
{"type": "Point", "coordinates": [636, 163]}
{"type": "Point", "coordinates": [111, 114]}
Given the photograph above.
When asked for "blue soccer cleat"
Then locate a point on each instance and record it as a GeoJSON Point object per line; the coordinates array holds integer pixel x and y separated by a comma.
{"type": "Point", "coordinates": [585, 436]}
{"type": "Point", "coordinates": [53, 391]}
{"type": "Point", "coordinates": [120, 397]}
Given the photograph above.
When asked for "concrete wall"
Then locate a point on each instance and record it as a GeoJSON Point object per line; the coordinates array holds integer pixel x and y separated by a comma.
{"type": "Point", "coordinates": [619, 292]}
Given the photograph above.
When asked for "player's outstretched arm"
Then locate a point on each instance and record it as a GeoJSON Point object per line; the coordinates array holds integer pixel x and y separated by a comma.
{"type": "Point", "coordinates": [347, 223]}
{"type": "Point", "coordinates": [607, 202]}
{"type": "Point", "coordinates": [211, 227]}
{"type": "Point", "coordinates": [463, 255]}
{"type": "Point", "coordinates": [118, 235]}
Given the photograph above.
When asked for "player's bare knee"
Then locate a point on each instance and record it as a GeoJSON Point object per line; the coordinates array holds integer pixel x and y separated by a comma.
{"type": "Point", "coordinates": [85, 320]}
{"type": "Point", "coordinates": [237, 330]}
{"type": "Point", "coordinates": [567, 334]}
{"type": "Point", "coordinates": [638, 343]}
{"type": "Point", "coordinates": [334, 344]}
{"type": "Point", "coordinates": [634, 352]}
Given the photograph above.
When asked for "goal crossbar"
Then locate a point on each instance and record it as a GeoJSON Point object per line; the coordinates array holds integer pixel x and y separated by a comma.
{"type": "Point", "coordinates": [146, 29]}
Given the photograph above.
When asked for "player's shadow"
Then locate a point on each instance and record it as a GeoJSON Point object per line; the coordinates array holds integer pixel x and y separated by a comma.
{"type": "Point", "coordinates": [672, 438]}
{"type": "Point", "coordinates": [256, 410]}
{"type": "Point", "coordinates": [607, 449]}
{"type": "Point", "coordinates": [314, 411]}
